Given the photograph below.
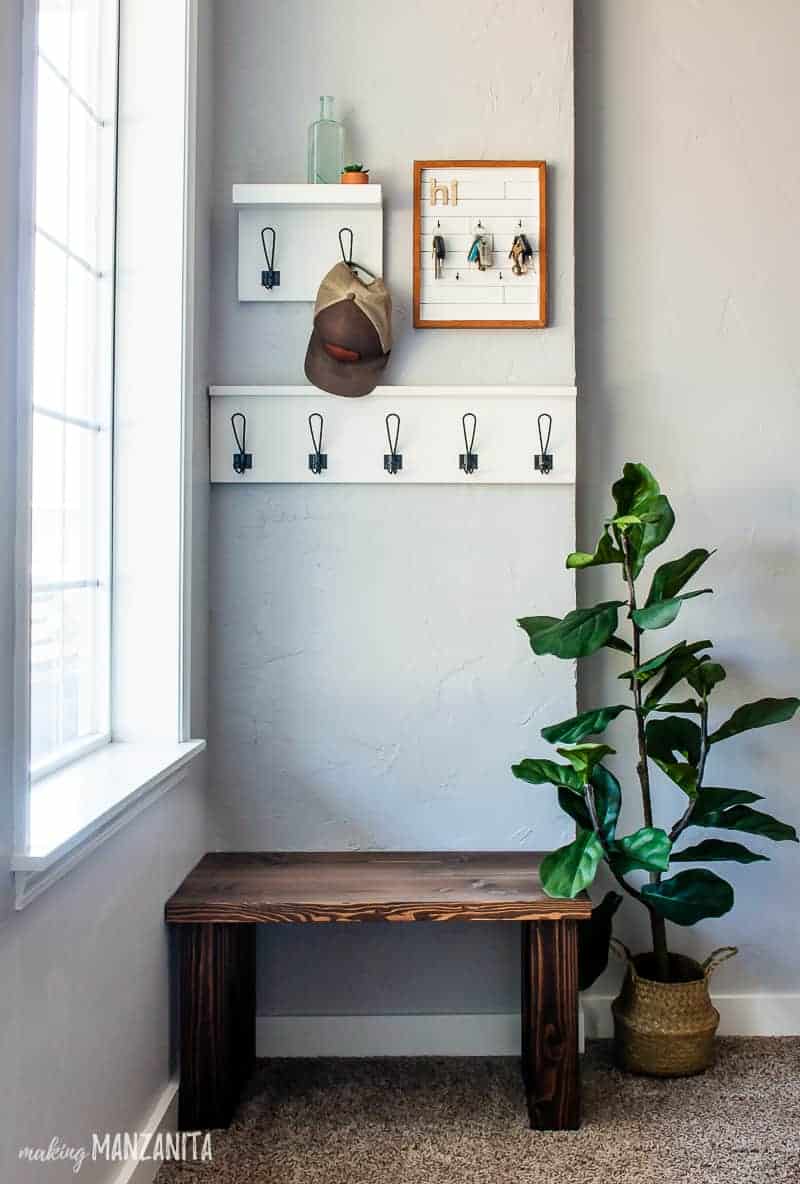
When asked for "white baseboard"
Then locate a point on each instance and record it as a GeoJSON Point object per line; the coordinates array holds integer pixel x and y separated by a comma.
{"type": "Point", "coordinates": [484, 1035]}
{"type": "Point", "coordinates": [163, 1117]}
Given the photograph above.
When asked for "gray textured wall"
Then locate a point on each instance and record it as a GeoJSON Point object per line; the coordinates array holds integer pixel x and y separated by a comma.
{"type": "Point", "coordinates": [368, 685]}
{"type": "Point", "coordinates": [688, 253]}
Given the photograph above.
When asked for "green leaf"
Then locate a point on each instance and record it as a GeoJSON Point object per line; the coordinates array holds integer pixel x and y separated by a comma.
{"type": "Point", "coordinates": [704, 678]}
{"type": "Point", "coordinates": [574, 804]}
{"type": "Point", "coordinates": [648, 670]}
{"type": "Point", "coordinates": [659, 520]}
{"type": "Point", "coordinates": [580, 633]}
{"type": "Point", "coordinates": [667, 737]}
{"type": "Point", "coordinates": [663, 612]}
{"type": "Point", "coordinates": [690, 896]}
{"type": "Point", "coordinates": [671, 577]}
{"type": "Point", "coordinates": [619, 643]}
{"type": "Point", "coordinates": [685, 707]}
{"type": "Point", "coordinates": [646, 849]}
{"type": "Point", "coordinates": [588, 723]}
{"type": "Point", "coordinates": [607, 800]}
{"type": "Point", "coordinates": [710, 802]}
{"type": "Point", "coordinates": [604, 552]}
{"type": "Point", "coordinates": [533, 626]}
{"type": "Point", "coordinates": [756, 715]}
{"type": "Point", "coordinates": [717, 849]}
{"type": "Point", "coordinates": [684, 776]}
{"type": "Point", "coordinates": [537, 771]}
{"type": "Point", "coordinates": [584, 757]}
{"type": "Point", "coordinates": [634, 488]}
{"type": "Point", "coordinates": [752, 822]}
{"type": "Point", "coordinates": [570, 869]}
{"type": "Point", "coordinates": [676, 669]}
{"type": "Point", "coordinates": [638, 495]}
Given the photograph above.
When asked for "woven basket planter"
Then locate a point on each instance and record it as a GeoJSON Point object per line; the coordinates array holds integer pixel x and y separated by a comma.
{"type": "Point", "coordinates": [666, 1029]}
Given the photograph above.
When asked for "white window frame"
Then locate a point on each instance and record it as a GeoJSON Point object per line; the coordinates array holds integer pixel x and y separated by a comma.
{"type": "Point", "coordinates": [83, 746]}
{"type": "Point", "coordinates": [149, 750]}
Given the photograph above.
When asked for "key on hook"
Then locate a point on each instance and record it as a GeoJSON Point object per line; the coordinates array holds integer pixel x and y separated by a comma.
{"type": "Point", "coordinates": [393, 460]}
{"type": "Point", "coordinates": [468, 461]}
{"type": "Point", "coordinates": [317, 460]}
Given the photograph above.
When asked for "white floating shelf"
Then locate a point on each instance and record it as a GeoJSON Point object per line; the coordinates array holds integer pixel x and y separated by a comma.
{"type": "Point", "coordinates": [306, 220]}
{"type": "Point", "coordinates": [307, 195]}
{"type": "Point", "coordinates": [431, 436]}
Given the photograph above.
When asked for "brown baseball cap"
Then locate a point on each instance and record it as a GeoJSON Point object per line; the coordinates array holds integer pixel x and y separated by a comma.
{"type": "Point", "coordinates": [352, 334]}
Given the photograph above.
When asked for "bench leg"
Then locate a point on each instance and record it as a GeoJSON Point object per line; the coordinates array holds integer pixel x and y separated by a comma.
{"type": "Point", "coordinates": [217, 1020]}
{"type": "Point", "coordinates": [550, 1066]}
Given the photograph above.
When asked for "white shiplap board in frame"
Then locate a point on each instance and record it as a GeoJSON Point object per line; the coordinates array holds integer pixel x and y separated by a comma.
{"type": "Point", "coordinates": [431, 436]}
{"type": "Point", "coordinates": [505, 197]}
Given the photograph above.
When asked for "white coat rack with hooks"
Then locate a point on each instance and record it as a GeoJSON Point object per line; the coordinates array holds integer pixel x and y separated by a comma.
{"type": "Point", "coordinates": [487, 435]}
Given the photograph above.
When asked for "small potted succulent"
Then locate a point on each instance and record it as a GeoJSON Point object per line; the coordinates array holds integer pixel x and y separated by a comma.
{"type": "Point", "coordinates": [355, 174]}
{"type": "Point", "coordinates": [664, 1021]}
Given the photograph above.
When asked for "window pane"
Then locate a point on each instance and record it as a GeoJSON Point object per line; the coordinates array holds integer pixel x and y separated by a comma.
{"type": "Point", "coordinates": [72, 377]}
{"type": "Point", "coordinates": [64, 706]}
{"type": "Point", "coordinates": [54, 18]}
{"type": "Point", "coordinates": [52, 146]}
{"type": "Point", "coordinates": [87, 59]}
{"type": "Point", "coordinates": [84, 149]}
{"type": "Point", "coordinates": [49, 325]}
{"type": "Point", "coordinates": [82, 328]}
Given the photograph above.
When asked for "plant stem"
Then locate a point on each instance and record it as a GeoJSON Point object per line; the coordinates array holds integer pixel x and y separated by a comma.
{"type": "Point", "coordinates": [588, 796]}
{"type": "Point", "coordinates": [658, 925]}
{"type": "Point", "coordinates": [686, 817]}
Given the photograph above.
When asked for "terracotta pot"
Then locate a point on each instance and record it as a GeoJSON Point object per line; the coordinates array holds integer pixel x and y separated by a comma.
{"type": "Point", "coordinates": [666, 1029]}
{"type": "Point", "coordinates": [355, 178]}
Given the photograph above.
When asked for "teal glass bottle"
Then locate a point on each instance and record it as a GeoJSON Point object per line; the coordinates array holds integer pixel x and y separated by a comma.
{"type": "Point", "coordinates": [325, 146]}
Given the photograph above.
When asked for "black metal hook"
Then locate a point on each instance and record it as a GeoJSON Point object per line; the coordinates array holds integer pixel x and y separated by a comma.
{"type": "Point", "coordinates": [347, 256]}
{"type": "Point", "coordinates": [317, 460]}
{"type": "Point", "coordinates": [270, 278]}
{"type": "Point", "coordinates": [468, 461]}
{"type": "Point", "coordinates": [242, 459]}
{"type": "Point", "coordinates": [393, 460]}
{"type": "Point", "coordinates": [543, 461]}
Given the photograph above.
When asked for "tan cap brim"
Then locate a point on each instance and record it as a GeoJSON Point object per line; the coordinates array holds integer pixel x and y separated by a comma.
{"type": "Point", "coordinates": [351, 379]}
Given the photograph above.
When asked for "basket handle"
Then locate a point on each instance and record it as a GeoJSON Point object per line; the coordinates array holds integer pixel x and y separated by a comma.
{"type": "Point", "coordinates": [716, 958]}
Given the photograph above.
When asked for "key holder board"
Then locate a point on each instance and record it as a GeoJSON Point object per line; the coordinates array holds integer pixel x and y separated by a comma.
{"type": "Point", "coordinates": [504, 284]}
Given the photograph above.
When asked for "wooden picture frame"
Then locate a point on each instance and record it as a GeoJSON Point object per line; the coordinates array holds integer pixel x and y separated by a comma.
{"type": "Point", "coordinates": [497, 295]}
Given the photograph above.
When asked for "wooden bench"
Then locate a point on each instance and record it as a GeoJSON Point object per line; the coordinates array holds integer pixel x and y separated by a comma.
{"type": "Point", "coordinates": [221, 901]}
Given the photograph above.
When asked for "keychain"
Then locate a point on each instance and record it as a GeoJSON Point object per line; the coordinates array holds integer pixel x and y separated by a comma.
{"type": "Point", "coordinates": [521, 254]}
{"type": "Point", "coordinates": [481, 250]}
{"type": "Point", "coordinates": [438, 253]}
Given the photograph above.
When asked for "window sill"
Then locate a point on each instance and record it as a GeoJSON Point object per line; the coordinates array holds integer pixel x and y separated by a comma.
{"type": "Point", "coordinates": [77, 808]}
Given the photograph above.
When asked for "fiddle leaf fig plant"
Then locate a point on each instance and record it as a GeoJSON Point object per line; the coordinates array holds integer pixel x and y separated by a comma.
{"type": "Point", "coordinates": [669, 707]}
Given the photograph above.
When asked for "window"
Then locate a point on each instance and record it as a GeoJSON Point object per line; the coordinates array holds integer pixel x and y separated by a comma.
{"type": "Point", "coordinates": [75, 132]}
{"type": "Point", "coordinates": [109, 366]}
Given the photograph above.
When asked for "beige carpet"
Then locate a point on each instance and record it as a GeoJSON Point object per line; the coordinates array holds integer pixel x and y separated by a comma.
{"type": "Point", "coordinates": [463, 1121]}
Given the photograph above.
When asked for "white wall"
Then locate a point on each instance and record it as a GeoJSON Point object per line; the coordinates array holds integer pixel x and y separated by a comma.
{"type": "Point", "coordinates": [688, 252]}
{"type": "Point", "coordinates": [688, 256]}
{"type": "Point", "coordinates": [86, 1029]}
{"type": "Point", "coordinates": [369, 686]}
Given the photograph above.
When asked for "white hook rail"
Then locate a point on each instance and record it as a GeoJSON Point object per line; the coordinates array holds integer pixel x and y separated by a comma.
{"type": "Point", "coordinates": [430, 437]}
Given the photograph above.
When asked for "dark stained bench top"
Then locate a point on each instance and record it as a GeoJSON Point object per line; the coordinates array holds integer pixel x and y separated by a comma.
{"type": "Point", "coordinates": [369, 886]}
